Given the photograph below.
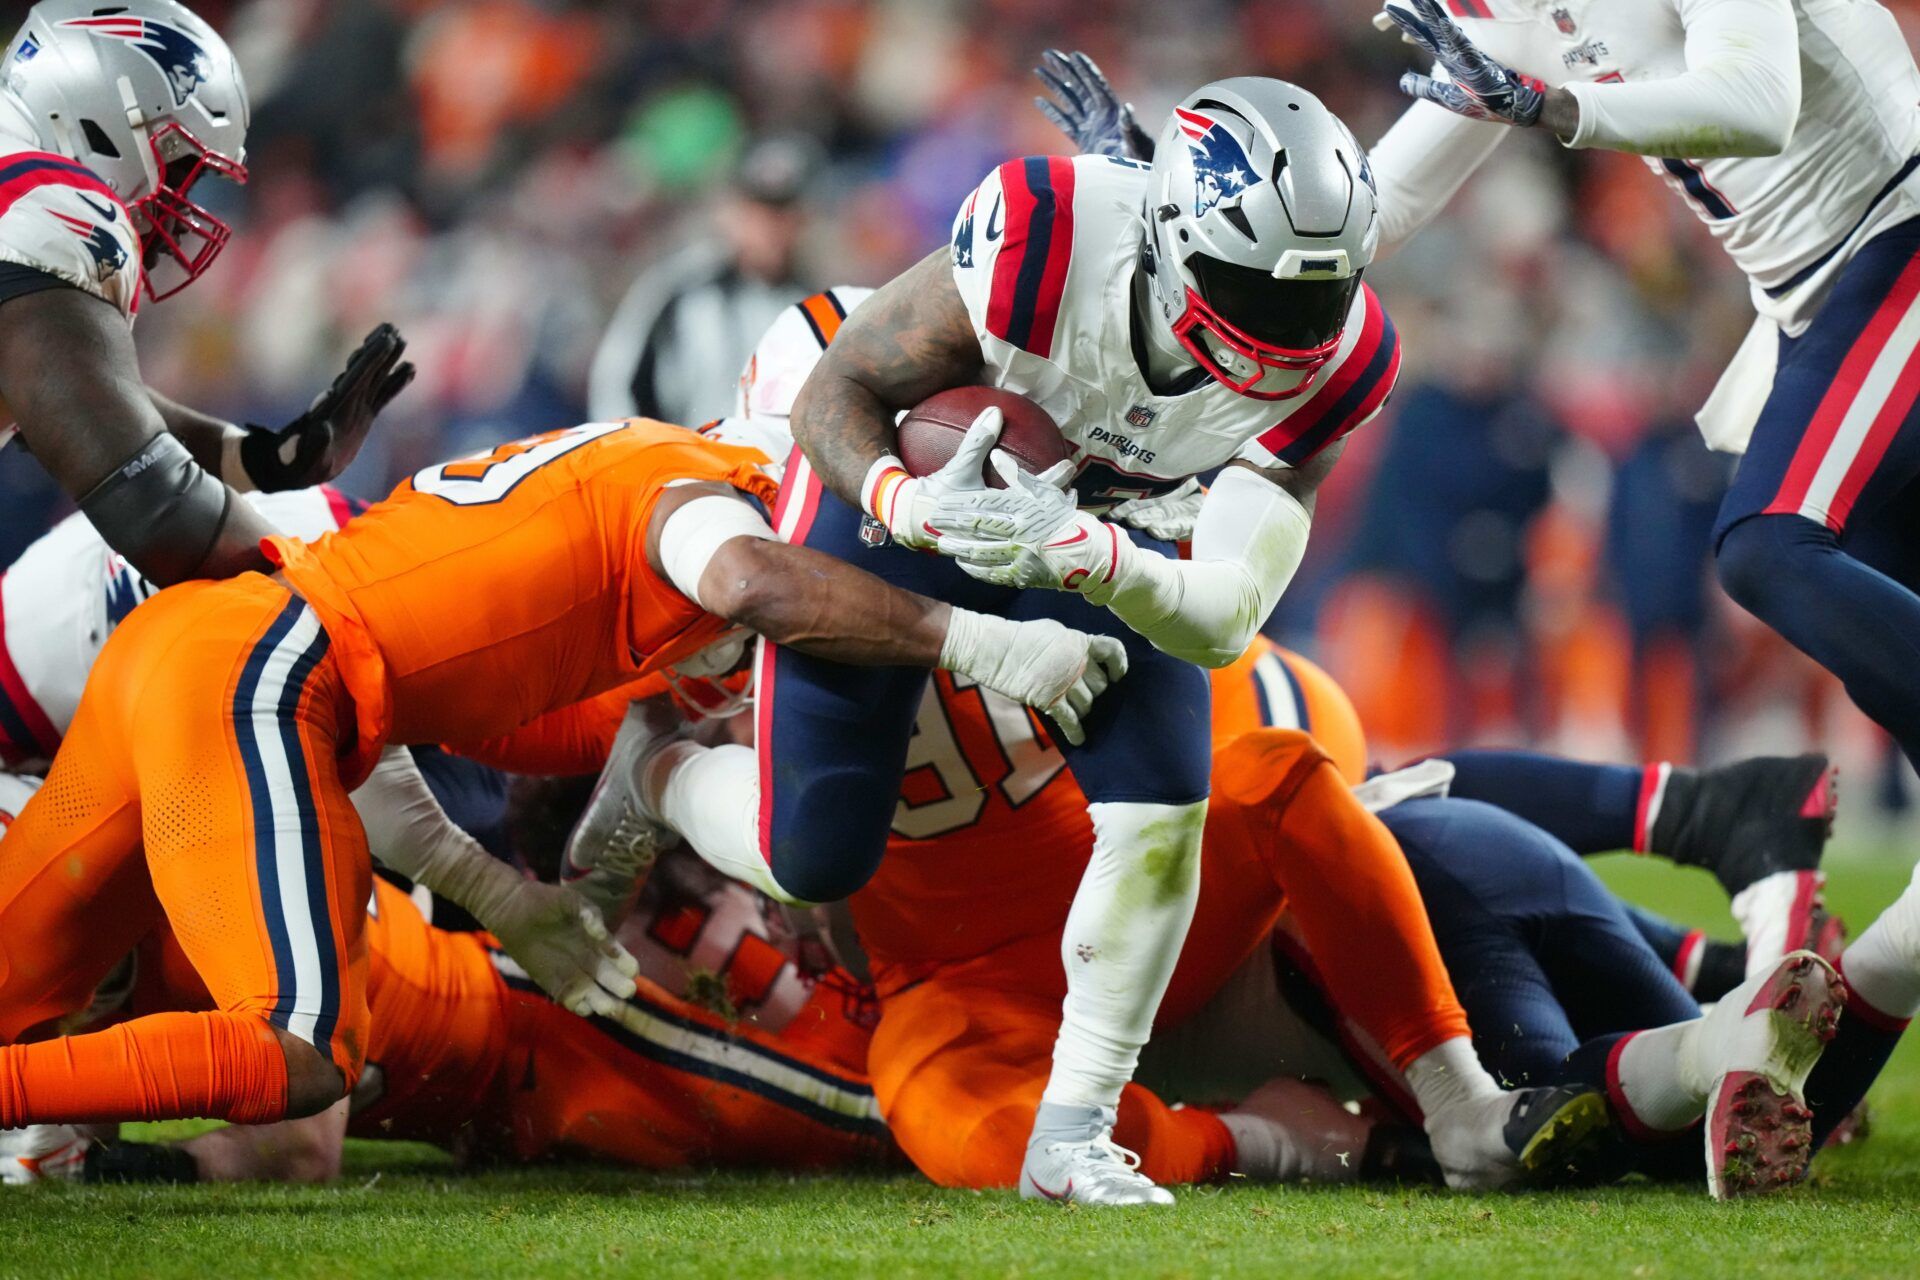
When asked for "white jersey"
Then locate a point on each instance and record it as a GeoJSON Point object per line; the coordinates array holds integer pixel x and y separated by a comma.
{"type": "Point", "coordinates": [1044, 253]}
{"type": "Point", "coordinates": [64, 596]}
{"type": "Point", "coordinates": [1789, 221]}
{"type": "Point", "coordinates": [57, 217]}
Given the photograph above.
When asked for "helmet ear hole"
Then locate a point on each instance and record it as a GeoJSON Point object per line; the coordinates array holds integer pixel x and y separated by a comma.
{"type": "Point", "coordinates": [98, 140]}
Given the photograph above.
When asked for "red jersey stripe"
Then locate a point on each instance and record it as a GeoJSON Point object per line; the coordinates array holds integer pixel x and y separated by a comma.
{"type": "Point", "coordinates": [1030, 272]}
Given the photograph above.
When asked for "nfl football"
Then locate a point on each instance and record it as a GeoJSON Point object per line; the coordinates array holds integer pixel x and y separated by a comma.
{"type": "Point", "coordinates": [932, 430]}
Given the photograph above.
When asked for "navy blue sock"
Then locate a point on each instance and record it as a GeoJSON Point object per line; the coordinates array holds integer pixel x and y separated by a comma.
{"type": "Point", "coordinates": [1852, 1062]}
{"type": "Point", "coordinates": [1852, 619]}
{"type": "Point", "coordinates": [1593, 808]}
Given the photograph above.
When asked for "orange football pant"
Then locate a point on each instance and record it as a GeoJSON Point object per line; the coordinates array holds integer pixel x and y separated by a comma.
{"type": "Point", "coordinates": [199, 786]}
{"type": "Point", "coordinates": [959, 1061]}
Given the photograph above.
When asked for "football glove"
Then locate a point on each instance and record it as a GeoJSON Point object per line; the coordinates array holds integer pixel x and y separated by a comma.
{"type": "Point", "coordinates": [1033, 534]}
{"type": "Point", "coordinates": [911, 507]}
{"type": "Point", "coordinates": [1478, 87]}
{"type": "Point", "coordinates": [1039, 663]}
{"type": "Point", "coordinates": [1085, 108]}
{"type": "Point", "coordinates": [1167, 516]}
{"type": "Point", "coordinates": [322, 442]}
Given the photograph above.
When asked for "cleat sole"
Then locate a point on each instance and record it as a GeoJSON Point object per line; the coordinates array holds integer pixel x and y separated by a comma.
{"type": "Point", "coordinates": [1570, 1144]}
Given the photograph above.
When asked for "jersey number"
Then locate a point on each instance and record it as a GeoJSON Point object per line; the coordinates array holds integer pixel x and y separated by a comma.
{"type": "Point", "coordinates": [489, 477]}
{"type": "Point", "coordinates": [1030, 764]}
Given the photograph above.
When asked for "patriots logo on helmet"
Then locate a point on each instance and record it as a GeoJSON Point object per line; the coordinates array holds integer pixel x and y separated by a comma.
{"type": "Point", "coordinates": [109, 255]}
{"type": "Point", "coordinates": [175, 52]}
{"type": "Point", "coordinates": [1221, 170]}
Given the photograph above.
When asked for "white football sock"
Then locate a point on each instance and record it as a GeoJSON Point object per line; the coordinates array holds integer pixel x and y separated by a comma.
{"type": "Point", "coordinates": [1654, 1077]}
{"type": "Point", "coordinates": [1129, 919]}
{"type": "Point", "coordinates": [1883, 964]}
{"type": "Point", "coordinates": [1448, 1074]}
{"type": "Point", "coordinates": [711, 796]}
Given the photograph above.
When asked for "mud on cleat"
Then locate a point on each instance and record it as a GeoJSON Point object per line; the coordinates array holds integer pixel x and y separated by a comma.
{"type": "Point", "coordinates": [1759, 1128]}
{"type": "Point", "coordinates": [1561, 1135]}
{"type": "Point", "coordinates": [617, 839]}
{"type": "Point", "coordinates": [1746, 821]}
{"type": "Point", "coordinates": [1073, 1159]}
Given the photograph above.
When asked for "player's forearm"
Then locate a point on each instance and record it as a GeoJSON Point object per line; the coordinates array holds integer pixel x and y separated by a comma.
{"type": "Point", "coordinates": [213, 442]}
{"type": "Point", "coordinates": [408, 831]}
{"type": "Point", "coordinates": [1740, 94]}
{"type": "Point", "coordinates": [818, 605]}
{"type": "Point", "coordinates": [843, 428]}
{"type": "Point", "coordinates": [1420, 163]}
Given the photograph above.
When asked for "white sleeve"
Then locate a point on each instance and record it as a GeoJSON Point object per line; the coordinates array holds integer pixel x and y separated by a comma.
{"type": "Point", "coordinates": [1739, 96]}
{"type": "Point", "coordinates": [695, 531]}
{"type": "Point", "coordinates": [1421, 162]}
{"type": "Point", "coordinates": [1247, 545]}
{"type": "Point", "coordinates": [84, 238]}
{"type": "Point", "coordinates": [407, 829]}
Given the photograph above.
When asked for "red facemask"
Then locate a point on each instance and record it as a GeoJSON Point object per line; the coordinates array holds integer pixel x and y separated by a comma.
{"type": "Point", "coordinates": [1265, 357]}
{"type": "Point", "coordinates": [182, 239]}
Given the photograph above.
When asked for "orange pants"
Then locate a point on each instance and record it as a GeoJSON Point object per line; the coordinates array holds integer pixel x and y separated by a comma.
{"type": "Point", "coordinates": [197, 785]}
{"type": "Point", "coordinates": [960, 1060]}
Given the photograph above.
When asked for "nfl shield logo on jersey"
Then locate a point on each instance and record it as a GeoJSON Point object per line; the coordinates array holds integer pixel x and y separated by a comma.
{"type": "Point", "coordinates": [1140, 417]}
{"type": "Point", "coordinates": [1563, 20]}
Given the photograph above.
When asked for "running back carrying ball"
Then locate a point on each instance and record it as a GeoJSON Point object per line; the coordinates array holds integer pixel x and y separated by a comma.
{"type": "Point", "coordinates": [931, 431]}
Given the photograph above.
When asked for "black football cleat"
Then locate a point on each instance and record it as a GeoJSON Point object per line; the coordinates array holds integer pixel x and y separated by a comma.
{"type": "Point", "coordinates": [1749, 820]}
{"type": "Point", "coordinates": [1562, 1136]}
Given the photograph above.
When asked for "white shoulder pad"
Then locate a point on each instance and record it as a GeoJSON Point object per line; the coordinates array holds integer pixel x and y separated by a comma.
{"type": "Point", "coordinates": [62, 225]}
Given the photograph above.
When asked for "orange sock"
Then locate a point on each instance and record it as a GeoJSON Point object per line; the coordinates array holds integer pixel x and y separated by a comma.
{"type": "Point", "coordinates": [170, 1066]}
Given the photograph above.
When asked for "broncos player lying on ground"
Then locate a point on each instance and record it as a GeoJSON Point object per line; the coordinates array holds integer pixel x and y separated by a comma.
{"type": "Point", "coordinates": [1535, 945]}
{"type": "Point", "coordinates": [1171, 320]}
{"type": "Point", "coordinates": [204, 780]}
{"type": "Point", "coordinates": [109, 117]}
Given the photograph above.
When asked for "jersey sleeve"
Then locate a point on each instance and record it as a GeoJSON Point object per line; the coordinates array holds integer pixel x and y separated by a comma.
{"type": "Point", "coordinates": [1348, 392]}
{"type": "Point", "coordinates": [1012, 241]}
{"type": "Point", "coordinates": [57, 218]}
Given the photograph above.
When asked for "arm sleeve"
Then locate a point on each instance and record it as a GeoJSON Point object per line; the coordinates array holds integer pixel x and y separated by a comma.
{"type": "Point", "coordinates": [1739, 95]}
{"type": "Point", "coordinates": [407, 829]}
{"type": "Point", "coordinates": [1247, 544]}
{"type": "Point", "coordinates": [1421, 163]}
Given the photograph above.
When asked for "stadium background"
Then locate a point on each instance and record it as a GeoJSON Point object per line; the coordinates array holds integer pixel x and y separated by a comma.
{"type": "Point", "coordinates": [1515, 552]}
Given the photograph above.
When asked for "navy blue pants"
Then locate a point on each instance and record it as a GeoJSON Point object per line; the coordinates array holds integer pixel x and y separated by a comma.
{"type": "Point", "coordinates": [1542, 955]}
{"type": "Point", "coordinates": [833, 739]}
{"type": "Point", "coordinates": [1837, 450]}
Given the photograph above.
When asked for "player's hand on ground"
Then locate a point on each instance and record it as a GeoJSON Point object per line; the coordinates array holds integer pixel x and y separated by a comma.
{"type": "Point", "coordinates": [1041, 663]}
{"type": "Point", "coordinates": [564, 946]}
{"type": "Point", "coordinates": [1478, 87]}
{"type": "Point", "coordinates": [912, 508]}
{"type": "Point", "coordinates": [1086, 109]}
{"type": "Point", "coordinates": [1169, 517]}
{"type": "Point", "coordinates": [322, 442]}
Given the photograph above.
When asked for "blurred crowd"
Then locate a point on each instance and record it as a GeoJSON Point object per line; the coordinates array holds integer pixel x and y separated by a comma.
{"type": "Point", "coordinates": [1514, 552]}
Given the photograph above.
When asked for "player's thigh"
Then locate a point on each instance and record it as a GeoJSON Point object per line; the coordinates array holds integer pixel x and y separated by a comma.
{"type": "Point", "coordinates": [1150, 735]}
{"type": "Point", "coordinates": [1484, 901]}
{"type": "Point", "coordinates": [255, 851]}
{"type": "Point", "coordinates": [74, 894]}
{"type": "Point", "coordinates": [1839, 435]}
{"type": "Point", "coordinates": [958, 1073]}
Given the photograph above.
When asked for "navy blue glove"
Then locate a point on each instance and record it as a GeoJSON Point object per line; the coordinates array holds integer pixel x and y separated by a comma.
{"type": "Point", "coordinates": [1085, 108]}
{"type": "Point", "coordinates": [1480, 88]}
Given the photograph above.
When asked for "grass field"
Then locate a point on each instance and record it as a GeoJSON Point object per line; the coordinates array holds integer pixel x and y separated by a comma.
{"type": "Point", "coordinates": [406, 1211]}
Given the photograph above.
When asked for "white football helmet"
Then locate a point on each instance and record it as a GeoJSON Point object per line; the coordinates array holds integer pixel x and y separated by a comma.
{"type": "Point", "coordinates": [1261, 215]}
{"type": "Point", "coordinates": [149, 98]}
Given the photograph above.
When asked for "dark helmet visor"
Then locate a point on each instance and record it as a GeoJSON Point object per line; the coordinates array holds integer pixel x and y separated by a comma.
{"type": "Point", "coordinates": [1297, 315]}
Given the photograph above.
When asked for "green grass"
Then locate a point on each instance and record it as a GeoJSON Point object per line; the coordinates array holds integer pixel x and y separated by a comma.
{"type": "Point", "coordinates": [406, 1211]}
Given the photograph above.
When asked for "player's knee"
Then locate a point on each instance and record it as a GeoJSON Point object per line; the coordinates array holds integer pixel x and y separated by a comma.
{"type": "Point", "coordinates": [314, 1083]}
{"type": "Point", "coordinates": [1160, 842]}
{"type": "Point", "coordinates": [1755, 558]}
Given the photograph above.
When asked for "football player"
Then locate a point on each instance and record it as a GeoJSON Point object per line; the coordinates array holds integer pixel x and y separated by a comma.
{"type": "Point", "coordinates": [204, 780]}
{"type": "Point", "coordinates": [1205, 311]}
{"type": "Point", "coordinates": [109, 117]}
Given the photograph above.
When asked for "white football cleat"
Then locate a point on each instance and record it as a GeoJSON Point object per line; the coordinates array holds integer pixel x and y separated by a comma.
{"type": "Point", "coordinates": [1089, 1169]}
{"type": "Point", "coordinates": [1751, 1055]}
{"type": "Point", "coordinates": [43, 1153]}
{"type": "Point", "coordinates": [616, 840]}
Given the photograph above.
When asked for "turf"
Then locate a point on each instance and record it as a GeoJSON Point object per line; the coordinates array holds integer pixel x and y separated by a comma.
{"type": "Point", "coordinates": [406, 1211]}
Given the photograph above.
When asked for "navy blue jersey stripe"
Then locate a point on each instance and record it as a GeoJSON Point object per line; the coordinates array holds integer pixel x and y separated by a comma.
{"type": "Point", "coordinates": [725, 1075]}
{"type": "Point", "coordinates": [1334, 419]}
{"type": "Point", "coordinates": [313, 860]}
{"type": "Point", "coordinates": [1805, 273]}
{"type": "Point", "coordinates": [20, 168]}
{"type": "Point", "coordinates": [1696, 184]}
{"type": "Point", "coordinates": [260, 800]}
{"type": "Point", "coordinates": [14, 734]}
{"type": "Point", "coordinates": [1033, 253]}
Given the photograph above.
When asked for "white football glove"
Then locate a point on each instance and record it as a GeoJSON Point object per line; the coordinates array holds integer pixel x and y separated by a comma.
{"type": "Point", "coordinates": [1031, 534]}
{"type": "Point", "coordinates": [1040, 663]}
{"type": "Point", "coordinates": [910, 507]}
{"type": "Point", "coordinates": [1168, 516]}
{"type": "Point", "coordinates": [560, 940]}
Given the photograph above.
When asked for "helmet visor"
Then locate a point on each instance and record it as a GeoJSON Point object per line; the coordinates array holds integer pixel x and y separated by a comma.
{"type": "Point", "coordinates": [1283, 315]}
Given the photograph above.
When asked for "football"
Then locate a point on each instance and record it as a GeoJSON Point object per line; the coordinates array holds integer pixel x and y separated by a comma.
{"type": "Point", "coordinates": [932, 430]}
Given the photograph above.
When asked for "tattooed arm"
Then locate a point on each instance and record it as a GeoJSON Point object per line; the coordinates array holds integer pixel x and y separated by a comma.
{"type": "Point", "coordinates": [910, 339]}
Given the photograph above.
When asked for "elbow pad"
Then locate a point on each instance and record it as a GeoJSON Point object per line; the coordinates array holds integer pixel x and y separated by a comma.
{"type": "Point", "coordinates": [164, 513]}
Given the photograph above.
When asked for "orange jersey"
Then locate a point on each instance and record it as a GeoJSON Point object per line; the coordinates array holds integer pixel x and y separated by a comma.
{"type": "Point", "coordinates": [486, 592]}
{"type": "Point", "coordinates": [992, 835]}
